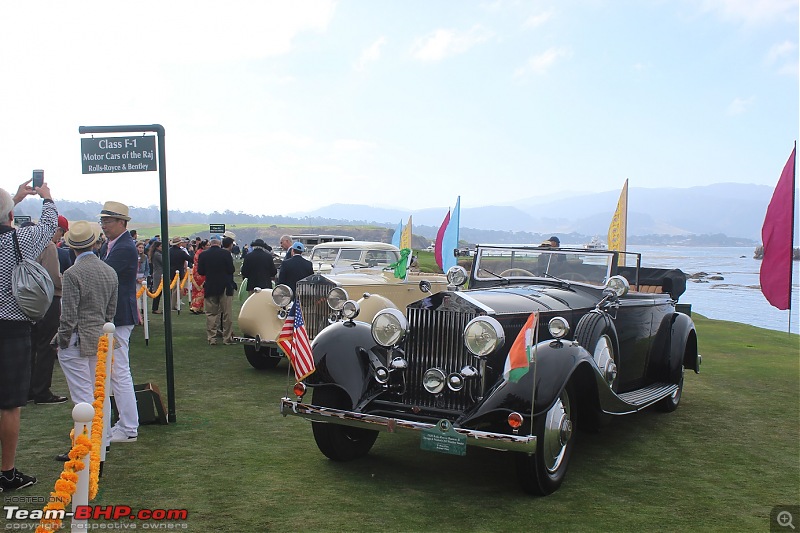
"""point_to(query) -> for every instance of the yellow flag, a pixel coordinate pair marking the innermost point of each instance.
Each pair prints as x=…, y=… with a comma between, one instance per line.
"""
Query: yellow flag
x=405, y=237
x=618, y=230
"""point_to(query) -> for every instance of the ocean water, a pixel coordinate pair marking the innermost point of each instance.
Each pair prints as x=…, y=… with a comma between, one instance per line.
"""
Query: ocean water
x=737, y=297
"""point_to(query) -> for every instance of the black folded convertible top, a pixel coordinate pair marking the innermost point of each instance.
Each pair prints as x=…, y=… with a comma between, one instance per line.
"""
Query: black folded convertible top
x=672, y=281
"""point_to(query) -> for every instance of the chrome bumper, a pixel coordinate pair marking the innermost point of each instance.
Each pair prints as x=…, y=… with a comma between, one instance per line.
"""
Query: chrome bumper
x=482, y=439
x=253, y=342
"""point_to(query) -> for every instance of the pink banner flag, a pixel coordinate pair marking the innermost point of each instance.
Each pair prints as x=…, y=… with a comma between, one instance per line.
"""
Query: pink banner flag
x=437, y=248
x=776, y=236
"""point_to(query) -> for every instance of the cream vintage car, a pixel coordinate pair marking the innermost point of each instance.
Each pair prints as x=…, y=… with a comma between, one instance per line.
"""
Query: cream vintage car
x=358, y=271
x=352, y=256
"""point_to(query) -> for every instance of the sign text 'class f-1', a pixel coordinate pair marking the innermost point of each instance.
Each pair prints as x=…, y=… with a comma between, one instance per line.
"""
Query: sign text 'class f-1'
x=118, y=154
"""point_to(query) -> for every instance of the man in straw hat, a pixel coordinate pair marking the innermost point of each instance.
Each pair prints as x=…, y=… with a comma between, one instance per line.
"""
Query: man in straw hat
x=89, y=300
x=119, y=252
x=15, y=332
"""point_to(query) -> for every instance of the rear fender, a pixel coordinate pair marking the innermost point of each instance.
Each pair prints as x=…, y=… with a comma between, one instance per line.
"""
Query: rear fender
x=683, y=346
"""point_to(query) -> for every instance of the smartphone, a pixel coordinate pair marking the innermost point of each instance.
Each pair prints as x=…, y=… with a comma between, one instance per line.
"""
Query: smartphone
x=38, y=178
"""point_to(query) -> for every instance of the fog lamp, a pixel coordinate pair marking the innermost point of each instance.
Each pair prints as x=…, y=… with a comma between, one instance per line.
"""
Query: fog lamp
x=559, y=327
x=455, y=382
x=381, y=374
x=350, y=309
x=433, y=380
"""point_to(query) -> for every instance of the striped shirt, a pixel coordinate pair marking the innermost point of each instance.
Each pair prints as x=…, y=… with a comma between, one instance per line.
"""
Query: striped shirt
x=32, y=241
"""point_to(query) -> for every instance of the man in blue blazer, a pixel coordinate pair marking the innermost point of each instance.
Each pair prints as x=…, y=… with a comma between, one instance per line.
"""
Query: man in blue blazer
x=119, y=252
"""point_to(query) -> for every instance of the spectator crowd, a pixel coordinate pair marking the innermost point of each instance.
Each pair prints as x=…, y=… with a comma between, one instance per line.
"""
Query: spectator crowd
x=98, y=271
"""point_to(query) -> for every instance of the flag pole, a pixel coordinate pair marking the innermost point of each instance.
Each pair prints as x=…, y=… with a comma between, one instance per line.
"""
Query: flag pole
x=791, y=235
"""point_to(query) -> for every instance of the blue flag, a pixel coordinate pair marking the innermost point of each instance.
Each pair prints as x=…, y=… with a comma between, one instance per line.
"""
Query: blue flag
x=450, y=238
x=397, y=233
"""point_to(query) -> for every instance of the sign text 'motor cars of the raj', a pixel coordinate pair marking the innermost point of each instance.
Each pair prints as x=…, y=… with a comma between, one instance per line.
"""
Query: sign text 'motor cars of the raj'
x=118, y=154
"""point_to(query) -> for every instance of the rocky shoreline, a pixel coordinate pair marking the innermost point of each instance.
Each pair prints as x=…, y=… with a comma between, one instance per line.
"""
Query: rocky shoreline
x=758, y=253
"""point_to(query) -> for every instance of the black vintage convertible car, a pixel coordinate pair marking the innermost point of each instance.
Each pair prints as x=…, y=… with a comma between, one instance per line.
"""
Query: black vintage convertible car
x=544, y=341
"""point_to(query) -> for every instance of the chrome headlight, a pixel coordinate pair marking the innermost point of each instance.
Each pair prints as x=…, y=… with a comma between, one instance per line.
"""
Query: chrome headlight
x=282, y=295
x=483, y=335
x=433, y=380
x=456, y=275
x=336, y=298
x=389, y=327
x=559, y=327
x=619, y=285
x=350, y=309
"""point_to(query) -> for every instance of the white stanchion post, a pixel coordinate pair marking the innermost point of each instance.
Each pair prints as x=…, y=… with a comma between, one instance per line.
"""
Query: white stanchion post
x=145, y=321
x=82, y=414
x=178, y=289
x=109, y=329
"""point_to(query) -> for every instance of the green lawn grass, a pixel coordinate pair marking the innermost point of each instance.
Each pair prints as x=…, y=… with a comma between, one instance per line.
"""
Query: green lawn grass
x=719, y=463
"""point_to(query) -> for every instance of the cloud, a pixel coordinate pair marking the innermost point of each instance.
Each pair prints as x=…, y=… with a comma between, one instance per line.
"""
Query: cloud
x=177, y=31
x=444, y=43
x=540, y=64
x=352, y=145
x=753, y=11
x=534, y=21
x=370, y=54
x=740, y=105
x=784, y=57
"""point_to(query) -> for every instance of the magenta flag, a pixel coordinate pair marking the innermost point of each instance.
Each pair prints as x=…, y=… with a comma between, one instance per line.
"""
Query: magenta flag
x=776, y=236
x=439, y=237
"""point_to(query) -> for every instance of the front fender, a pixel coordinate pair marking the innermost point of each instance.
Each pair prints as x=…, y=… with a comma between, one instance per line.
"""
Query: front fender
x=370, y=304
x=339, y=358
x=259, y=316
x=556, y=361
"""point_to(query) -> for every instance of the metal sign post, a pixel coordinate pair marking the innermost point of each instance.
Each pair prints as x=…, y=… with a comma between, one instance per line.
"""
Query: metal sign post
x=135, y=154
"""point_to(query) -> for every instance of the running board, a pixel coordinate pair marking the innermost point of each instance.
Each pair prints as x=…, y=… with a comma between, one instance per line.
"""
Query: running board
x=641, y=398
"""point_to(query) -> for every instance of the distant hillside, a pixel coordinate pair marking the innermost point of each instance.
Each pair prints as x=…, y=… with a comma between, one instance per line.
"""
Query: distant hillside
x=722, y=214
x=735, y=210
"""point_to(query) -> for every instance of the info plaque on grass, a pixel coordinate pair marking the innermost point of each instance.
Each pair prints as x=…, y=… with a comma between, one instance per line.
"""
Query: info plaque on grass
x=444, y=439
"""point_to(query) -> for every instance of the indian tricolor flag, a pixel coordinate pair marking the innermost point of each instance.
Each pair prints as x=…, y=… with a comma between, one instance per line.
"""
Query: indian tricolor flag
x=520, y=354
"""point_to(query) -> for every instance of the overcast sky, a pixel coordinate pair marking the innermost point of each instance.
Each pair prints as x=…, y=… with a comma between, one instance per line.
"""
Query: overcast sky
x=274, y=107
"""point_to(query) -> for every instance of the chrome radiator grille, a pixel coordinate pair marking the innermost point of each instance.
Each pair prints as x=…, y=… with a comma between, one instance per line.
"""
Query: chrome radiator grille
x=437, y=341
x=313, y=295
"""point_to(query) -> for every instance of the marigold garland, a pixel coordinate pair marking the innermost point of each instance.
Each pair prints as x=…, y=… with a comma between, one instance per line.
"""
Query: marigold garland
x=97, y=421
x=65, y=485
x=160, y=288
